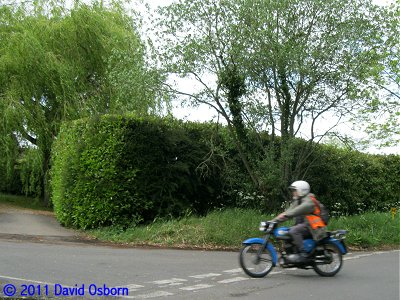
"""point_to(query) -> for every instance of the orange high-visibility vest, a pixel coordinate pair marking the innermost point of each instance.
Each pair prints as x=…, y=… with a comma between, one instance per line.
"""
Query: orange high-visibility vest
x=315, y=218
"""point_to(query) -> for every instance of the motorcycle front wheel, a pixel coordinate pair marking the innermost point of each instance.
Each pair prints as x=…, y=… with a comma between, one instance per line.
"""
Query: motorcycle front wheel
x=329, y=262
x=254, y=262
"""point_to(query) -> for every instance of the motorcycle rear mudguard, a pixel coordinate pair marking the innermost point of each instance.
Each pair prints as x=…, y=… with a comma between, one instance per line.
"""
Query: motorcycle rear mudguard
x=270, y=247
x=340, y=244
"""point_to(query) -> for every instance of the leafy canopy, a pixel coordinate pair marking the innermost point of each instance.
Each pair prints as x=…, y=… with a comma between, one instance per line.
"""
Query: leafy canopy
x=59, y=63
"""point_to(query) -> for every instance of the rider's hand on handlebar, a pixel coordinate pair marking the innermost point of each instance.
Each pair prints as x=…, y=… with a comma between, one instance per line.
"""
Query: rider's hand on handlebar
x=282, y=217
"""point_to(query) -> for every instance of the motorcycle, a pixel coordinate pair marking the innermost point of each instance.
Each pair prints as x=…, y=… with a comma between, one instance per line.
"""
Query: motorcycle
x=259, y=256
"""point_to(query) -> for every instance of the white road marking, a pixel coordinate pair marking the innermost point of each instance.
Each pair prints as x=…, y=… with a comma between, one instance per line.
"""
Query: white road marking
x=235, y=279
x=358, y=256
x=150, y=295
x=351, y=257
x=202, y=276
x=171, y=284
x=172, y=281
x=196, y=287
x=133, y=287
x=239, y=270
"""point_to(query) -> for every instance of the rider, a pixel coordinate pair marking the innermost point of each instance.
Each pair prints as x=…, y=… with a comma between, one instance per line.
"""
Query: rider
x=306, y=212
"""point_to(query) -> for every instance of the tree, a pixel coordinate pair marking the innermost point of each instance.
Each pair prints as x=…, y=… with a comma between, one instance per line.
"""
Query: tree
x=300, y=60
x=382, y=113
x=60, y=64
x=310, y=59
x=196, y=40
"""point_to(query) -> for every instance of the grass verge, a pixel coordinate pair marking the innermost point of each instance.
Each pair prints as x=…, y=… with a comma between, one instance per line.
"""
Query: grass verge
x=227, y=229
x=23, y=202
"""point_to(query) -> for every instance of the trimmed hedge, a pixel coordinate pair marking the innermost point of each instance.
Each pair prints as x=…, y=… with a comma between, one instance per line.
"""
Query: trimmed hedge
x=114, y=170
x=350, y=182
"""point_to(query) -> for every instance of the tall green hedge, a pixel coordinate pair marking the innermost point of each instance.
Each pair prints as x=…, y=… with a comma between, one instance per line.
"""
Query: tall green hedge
x=124, y=170
x=350, y=182
x=114, y=170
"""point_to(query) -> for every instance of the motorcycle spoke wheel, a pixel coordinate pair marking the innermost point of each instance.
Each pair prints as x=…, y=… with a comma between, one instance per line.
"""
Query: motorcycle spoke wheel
x=253, y=264
x=330, y=263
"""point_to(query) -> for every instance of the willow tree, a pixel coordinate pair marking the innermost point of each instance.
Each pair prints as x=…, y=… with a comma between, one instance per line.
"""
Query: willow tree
x=59, y=64
x=300, y=60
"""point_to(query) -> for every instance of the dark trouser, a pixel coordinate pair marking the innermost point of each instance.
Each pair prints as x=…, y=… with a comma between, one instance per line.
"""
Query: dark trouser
x=298, y=233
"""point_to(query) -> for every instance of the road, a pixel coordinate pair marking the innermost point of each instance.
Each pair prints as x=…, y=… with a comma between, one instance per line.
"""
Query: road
x=37, y=255
x=183, y=274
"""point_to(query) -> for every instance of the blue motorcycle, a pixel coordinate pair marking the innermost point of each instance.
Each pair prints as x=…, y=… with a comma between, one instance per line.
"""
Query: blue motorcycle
x=259, y=256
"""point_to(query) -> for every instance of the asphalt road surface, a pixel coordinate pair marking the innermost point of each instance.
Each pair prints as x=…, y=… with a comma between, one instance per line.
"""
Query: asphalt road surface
x=181, y=274
x=44, y=265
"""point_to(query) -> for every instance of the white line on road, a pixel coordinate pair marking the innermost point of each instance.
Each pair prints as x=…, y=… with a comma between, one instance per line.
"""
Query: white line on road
x=276, y=272
x=202, y=276
x=172, y=281
x=196, y=287
x=358, y=256
x=238, y=270
x=133, y=287
x=235, y=279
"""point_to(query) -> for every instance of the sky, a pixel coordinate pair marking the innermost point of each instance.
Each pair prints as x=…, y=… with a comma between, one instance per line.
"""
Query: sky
x=204, y=113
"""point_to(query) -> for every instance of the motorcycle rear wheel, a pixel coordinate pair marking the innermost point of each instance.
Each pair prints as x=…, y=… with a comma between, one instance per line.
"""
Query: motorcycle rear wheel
x=252, y=263
x=330, y=263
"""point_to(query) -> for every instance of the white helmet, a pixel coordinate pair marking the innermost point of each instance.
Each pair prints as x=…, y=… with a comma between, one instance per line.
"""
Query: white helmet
x=302, y=187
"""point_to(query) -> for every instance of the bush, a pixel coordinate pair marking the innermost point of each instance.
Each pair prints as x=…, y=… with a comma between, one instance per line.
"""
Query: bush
x=10, y=181
x=114, y=170
x=350, y=182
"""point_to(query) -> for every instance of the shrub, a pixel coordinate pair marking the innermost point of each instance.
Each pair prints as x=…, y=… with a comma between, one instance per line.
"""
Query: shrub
x=350, y=182
x=114, y=170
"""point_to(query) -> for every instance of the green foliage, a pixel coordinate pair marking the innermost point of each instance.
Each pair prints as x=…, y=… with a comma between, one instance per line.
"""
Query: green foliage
x=113, y=170
x=116, y=170
x=380, y=117
x=236, y=225
x=22, y=202
x=31, y=172
x=370, y=229
x=276, y=65
x=85, y=180
x=59, y=63
x=9, y=151
x=350, y=182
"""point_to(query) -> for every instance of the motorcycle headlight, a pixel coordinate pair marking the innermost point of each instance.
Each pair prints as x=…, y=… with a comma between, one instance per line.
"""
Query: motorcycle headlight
x=263, y=226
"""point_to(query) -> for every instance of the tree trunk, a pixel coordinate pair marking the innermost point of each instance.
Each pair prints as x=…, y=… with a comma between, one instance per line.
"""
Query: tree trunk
x=45, y=179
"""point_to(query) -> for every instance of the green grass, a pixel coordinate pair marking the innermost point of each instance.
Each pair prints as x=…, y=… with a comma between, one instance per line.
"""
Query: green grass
x=227, y=229
x=23, y=202
x=370, y=229
x=223, y=229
